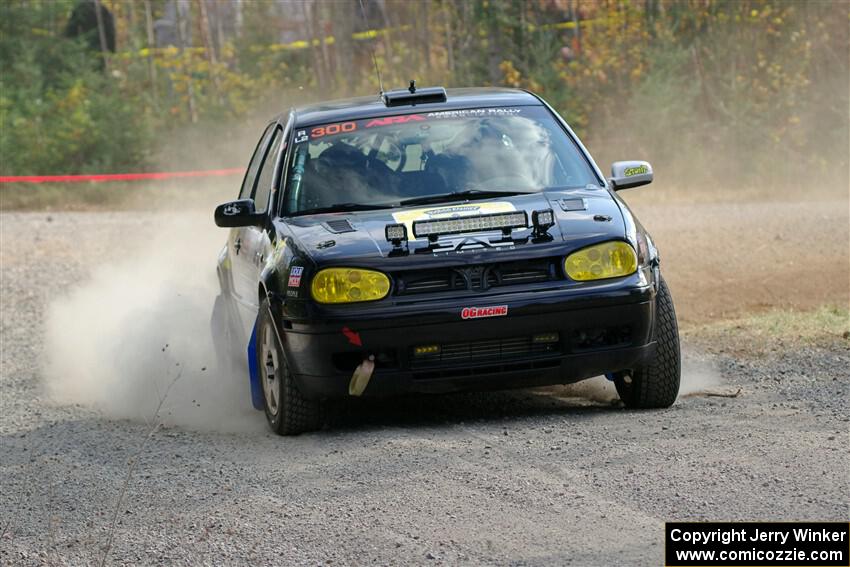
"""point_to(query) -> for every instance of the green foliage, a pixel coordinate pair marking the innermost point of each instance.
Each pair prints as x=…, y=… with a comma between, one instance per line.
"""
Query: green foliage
x=58, y=112
x=759, y=86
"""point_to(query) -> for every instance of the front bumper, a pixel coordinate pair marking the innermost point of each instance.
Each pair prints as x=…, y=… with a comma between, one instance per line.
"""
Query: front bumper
x=600, y=329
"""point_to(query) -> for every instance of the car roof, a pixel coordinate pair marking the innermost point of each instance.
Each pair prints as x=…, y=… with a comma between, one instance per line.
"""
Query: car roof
x=373, y=106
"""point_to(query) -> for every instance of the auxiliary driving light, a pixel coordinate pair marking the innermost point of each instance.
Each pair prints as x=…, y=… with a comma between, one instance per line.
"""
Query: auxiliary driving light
x=544, y=338
x=542, y=221
x=396, y=233
x=426, y=350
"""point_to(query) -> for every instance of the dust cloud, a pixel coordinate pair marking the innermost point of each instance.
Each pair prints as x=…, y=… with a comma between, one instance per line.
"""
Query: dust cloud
x=138, y=329
x=699, y=375
x=137, y=332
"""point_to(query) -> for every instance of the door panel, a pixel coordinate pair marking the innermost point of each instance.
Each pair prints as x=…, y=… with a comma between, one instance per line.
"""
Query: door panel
x=244, y=283
x=253, y=241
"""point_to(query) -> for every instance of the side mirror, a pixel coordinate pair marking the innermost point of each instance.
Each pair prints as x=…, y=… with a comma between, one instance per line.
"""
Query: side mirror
x=626, y=174
x=238, y=213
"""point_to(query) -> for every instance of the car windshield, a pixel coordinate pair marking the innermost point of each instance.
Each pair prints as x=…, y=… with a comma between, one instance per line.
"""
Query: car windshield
x=393, y=160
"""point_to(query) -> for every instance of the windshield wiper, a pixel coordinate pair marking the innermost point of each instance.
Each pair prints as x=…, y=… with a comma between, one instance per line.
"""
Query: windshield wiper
x=458, y=195
x=343, y=207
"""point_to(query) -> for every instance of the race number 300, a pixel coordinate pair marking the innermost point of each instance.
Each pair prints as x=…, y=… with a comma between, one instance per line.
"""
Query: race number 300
x=331, y=129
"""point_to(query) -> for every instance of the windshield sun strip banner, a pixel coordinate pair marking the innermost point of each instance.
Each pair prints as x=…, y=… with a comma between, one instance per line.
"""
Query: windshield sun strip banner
x=320, y=131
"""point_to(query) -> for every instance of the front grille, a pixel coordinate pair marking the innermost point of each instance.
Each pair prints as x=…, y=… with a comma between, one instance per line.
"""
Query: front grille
x=476, y=278
x=494, y=350
x=428, y=282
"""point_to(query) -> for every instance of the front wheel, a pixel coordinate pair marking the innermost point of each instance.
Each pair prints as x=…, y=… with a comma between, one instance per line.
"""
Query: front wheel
x=656, y=384
x=287, y=410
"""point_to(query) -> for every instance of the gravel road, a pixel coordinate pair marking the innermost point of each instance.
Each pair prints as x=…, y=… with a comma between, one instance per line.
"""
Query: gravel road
x=516, y=478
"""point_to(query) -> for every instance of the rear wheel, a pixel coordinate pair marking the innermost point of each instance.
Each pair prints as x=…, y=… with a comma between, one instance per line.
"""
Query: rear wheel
x=656, y=384
x=287, y=410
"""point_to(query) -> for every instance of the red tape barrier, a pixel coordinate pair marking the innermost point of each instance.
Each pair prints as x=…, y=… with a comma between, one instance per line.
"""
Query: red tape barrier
x=118, y=176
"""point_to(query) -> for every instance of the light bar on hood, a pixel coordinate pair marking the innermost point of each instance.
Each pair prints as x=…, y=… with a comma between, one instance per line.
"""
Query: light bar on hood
x=498, y=221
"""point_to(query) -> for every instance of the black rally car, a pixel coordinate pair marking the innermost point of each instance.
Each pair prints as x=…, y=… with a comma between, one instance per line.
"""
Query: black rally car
x=434, y=241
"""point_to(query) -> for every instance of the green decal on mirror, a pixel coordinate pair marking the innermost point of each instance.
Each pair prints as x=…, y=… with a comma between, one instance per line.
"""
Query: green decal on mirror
x=629, y=171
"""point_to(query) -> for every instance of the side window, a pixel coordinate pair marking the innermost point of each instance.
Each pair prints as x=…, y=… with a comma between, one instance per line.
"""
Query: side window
x=264, y=185
x=254, y=166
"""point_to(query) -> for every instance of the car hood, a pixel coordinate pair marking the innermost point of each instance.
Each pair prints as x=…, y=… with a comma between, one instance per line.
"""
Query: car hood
x=581, y=216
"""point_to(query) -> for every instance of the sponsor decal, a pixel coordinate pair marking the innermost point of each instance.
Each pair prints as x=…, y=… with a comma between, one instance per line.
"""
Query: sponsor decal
x=231, y=210
x=395, y=120
x=482, y=312
x=456, y=211
x=629, y=171
x=301, y=136
x=295, y=276
x=475, y=112
x=432, y=213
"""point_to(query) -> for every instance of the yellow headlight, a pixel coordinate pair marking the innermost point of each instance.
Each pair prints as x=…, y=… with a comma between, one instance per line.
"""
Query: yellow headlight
x=600, y=261
x=347, y=285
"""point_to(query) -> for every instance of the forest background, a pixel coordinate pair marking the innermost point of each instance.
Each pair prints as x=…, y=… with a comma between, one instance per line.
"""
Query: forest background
x=732, y=95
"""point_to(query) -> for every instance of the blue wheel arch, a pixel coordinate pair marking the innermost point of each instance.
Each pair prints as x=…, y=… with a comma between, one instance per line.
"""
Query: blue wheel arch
x=254, y=370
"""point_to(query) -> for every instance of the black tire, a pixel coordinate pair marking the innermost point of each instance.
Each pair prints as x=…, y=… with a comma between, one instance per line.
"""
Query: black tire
x=287, y=410
x=656, y=385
